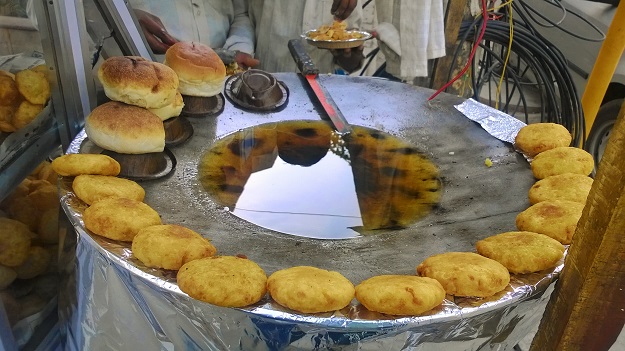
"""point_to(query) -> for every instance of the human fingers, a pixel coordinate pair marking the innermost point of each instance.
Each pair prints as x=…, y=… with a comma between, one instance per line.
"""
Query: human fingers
x=246, y=60
x=157, y=46
x=341, y=9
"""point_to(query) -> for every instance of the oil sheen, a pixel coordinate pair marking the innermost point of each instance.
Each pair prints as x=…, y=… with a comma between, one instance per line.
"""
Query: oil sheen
x=302, y=178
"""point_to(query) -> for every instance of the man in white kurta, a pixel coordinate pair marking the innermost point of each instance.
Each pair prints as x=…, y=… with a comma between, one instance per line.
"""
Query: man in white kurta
x=278, y=21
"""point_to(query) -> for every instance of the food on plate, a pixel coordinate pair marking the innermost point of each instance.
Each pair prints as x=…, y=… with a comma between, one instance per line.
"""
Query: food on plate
x=71, y=165
x=562, y=160
x=555, y=218
x=172, y=110
x=7, y=276
x=310, y=289
x=336, y=31
x=9, y=95
x=233, y=68
x=170, y=246
x=538, y=137
x=35, y=264
x=26, y=112
x=125, y=129
x=33, y=86
x=226, y=281
x=466, y=273
x=137, y=81
x=15, y=238
x=522, y=252
x=118, y=218
x=91, y=188
x=400, y=295
x=565, y=186
x=199, y=68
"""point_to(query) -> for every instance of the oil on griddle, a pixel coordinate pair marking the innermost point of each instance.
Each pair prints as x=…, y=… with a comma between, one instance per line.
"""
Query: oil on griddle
x=302, y=178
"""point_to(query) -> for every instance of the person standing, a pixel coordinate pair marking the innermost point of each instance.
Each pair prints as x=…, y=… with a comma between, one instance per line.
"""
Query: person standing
x=277, y=21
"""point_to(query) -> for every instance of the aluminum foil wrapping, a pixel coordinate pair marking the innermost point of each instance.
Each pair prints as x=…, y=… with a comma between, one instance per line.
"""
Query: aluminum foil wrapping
x=498, y=124
x=113, y=302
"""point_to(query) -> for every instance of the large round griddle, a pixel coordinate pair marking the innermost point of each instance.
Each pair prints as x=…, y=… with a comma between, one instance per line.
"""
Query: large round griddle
x=477, y=201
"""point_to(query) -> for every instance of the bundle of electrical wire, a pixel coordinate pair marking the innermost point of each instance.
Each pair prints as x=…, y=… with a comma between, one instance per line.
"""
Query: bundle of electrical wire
x=540, y=67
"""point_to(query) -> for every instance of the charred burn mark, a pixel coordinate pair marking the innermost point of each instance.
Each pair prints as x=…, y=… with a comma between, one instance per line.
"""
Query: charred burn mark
x=306, y=132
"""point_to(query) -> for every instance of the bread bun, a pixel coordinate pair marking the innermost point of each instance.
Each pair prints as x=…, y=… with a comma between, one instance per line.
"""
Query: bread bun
x=172, y=110
x=126, y=129
x=137, y=81
x=199, y=68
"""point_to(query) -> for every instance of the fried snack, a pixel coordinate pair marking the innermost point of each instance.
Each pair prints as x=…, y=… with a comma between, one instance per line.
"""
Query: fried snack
x=335, y=31
x=522, y=252
x=91, y=188
x=566, y=186
x=6, y=118
x=14, y=242
x=7, y=74
x=36, y=263
x=465, y=273
x=33, y=86
x=226, y=281
x=170, y=246
x=9, y=95
x=25, y=113
x=119, y=218
x=48, y=228
x=562, y=160
x=43, y=69
x=400, y=295
x=48, y=173
x=310, y=290
x=538, y=137
x=7, y=276
x=556, y=219
x=24, y=210
x=71, y=165
x=45, y=197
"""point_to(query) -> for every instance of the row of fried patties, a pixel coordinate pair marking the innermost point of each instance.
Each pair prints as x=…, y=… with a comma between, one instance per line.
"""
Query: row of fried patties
x=146, y=93
x=116, y=211
x=22, y=97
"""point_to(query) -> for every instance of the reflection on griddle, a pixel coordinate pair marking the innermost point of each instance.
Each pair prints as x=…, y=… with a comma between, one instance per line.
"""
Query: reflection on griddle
x=302, y=178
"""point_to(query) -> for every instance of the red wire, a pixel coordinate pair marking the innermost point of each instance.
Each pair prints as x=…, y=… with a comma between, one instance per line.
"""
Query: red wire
x=473, y=50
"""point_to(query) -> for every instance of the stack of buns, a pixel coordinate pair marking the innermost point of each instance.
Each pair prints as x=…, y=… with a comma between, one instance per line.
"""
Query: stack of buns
x=199, y=68
x=144, y=94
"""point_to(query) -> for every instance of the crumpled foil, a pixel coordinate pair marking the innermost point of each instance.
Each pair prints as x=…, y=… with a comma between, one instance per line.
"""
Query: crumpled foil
x=112, y=302
x=498, y=124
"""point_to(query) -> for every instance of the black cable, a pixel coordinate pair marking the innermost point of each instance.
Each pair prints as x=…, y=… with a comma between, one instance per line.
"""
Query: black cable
x=557, y=95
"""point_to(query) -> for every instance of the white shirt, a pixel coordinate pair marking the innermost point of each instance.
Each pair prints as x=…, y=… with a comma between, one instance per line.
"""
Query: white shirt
x=216, y=23
x=278, y=21
x=410, y=32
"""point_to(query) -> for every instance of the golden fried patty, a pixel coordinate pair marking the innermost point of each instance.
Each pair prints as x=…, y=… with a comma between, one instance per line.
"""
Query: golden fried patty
x=71, y=165
x=465, y=273
x=310, y=290
x=118, y=218
x=15, y=238
x=91, y=188
x=566, y=186
x=169, y=246
x=556, y=219
x=522, y=252
x=401, y=295
x=562, y=160
x=226, y=281
x=538, y=137
x=34, y=86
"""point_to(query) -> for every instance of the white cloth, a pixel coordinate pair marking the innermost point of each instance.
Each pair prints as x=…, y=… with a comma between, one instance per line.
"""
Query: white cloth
x=216, y=23
x=278, y=21
x=410, y=32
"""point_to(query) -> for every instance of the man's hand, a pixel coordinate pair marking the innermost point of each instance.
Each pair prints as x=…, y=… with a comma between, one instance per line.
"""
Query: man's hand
x=349, y=59
x=155, y=33
x=341, y=9
x=245, y=60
